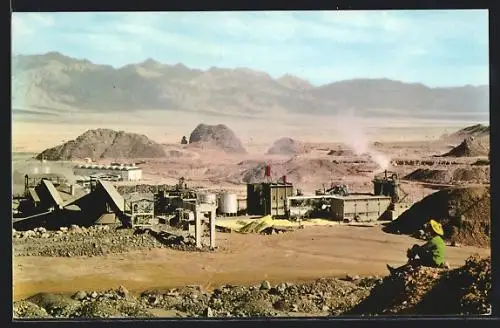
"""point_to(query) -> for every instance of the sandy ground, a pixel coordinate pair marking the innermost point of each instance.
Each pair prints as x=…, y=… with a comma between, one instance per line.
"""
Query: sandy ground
x=297, y=256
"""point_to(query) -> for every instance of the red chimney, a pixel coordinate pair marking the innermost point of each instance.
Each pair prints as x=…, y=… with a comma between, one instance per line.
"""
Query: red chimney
x=268, y=171
x=284, y=179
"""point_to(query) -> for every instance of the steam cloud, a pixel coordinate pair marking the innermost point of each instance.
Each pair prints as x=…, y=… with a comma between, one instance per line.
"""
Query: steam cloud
x=351, y=131
x=22, y=166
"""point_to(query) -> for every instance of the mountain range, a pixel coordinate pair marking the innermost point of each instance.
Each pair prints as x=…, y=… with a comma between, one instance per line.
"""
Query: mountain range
x=53, y=83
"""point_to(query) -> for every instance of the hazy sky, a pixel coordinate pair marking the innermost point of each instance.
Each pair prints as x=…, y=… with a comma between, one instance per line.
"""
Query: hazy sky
x=437, y=48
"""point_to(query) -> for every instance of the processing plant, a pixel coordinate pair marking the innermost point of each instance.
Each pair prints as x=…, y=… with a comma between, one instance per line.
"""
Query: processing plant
x=336, y=203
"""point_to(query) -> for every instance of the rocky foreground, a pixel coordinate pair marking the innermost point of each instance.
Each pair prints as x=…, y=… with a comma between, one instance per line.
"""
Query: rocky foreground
x=96, y=241
x=465, y=290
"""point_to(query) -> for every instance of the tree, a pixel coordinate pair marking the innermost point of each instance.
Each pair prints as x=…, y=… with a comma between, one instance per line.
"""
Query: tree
x=184, y=140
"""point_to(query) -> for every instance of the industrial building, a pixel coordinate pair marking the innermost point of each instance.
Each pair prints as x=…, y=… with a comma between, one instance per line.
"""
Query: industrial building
x=140, y=208
x=359, y=207
x=268, y=198
x=124, y=172
x=47, y=206
x=338, y=204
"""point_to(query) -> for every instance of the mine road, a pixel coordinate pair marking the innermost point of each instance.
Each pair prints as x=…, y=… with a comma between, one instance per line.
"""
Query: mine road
x=297, y=256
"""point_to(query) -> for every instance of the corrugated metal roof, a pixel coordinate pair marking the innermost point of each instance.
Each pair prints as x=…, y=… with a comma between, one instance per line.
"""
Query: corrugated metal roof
x=54, y=194
x=113, y=194
x=34, y=195
x=107, y=167
x=73, y=207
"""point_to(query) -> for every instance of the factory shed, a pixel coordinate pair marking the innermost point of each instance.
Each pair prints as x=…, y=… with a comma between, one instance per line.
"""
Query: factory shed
x=125, y=172
x=268, y=198
x=103, y=205
x=359, y=207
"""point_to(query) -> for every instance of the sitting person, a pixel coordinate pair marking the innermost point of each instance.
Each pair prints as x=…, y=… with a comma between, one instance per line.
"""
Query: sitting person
x=431, y=254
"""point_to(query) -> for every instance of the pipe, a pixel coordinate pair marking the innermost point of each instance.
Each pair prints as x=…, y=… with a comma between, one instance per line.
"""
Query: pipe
x=32, y=216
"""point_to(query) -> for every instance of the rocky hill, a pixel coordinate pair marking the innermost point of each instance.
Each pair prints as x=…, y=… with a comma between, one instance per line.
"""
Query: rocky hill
x=471, y=147
x=55, y=83
x=105, y=143
x=218, y=136
x=477, y=130
x=286, y=146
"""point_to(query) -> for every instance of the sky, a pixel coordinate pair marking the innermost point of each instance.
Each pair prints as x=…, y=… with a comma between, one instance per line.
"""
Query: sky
x=436, y=48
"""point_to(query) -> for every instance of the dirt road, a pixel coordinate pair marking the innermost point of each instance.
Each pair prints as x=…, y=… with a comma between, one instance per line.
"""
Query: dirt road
x=244, y=259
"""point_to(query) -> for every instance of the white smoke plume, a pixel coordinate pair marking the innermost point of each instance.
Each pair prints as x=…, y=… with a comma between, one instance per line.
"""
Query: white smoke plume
x=351, y=130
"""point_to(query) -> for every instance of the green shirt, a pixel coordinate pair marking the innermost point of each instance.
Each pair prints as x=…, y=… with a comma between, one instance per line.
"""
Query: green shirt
x=435, y=249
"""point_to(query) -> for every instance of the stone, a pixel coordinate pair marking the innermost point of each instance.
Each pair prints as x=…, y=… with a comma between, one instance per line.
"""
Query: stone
x=94, y=295
x=209, y=312
x=153, y=299
x=265, y=285
x=123, y=292
x=63, y=229
x=45, y=235
x=29, y=233
x=352, y=278
x=80, y=295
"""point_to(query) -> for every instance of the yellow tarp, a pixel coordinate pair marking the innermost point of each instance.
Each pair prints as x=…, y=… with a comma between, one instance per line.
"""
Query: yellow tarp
x=258, y=225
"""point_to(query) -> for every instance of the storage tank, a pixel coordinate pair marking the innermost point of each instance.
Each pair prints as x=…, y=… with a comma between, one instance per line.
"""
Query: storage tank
x=207, y=198
x=228, y=203
x=46, y=170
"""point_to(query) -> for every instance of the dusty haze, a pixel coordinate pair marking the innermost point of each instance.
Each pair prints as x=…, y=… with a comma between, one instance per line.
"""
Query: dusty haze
x=257, y=135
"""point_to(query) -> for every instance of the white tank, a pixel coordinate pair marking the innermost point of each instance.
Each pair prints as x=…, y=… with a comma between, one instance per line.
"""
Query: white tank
x=206, y=198
x=35, y=170
x=228, y=203
x=46, y=170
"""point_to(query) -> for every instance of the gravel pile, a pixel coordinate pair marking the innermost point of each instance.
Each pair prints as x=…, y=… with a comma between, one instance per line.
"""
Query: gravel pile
x=457, y=175
x=109, y=304
x=95, y=241
x=431, y=291
x=421, y=290
x=321, y=297
x=463, y=211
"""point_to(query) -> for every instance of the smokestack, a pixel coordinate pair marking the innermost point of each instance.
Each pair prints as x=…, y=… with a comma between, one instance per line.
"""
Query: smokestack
x=267, y=173
x=72, y=189
x=284, y=179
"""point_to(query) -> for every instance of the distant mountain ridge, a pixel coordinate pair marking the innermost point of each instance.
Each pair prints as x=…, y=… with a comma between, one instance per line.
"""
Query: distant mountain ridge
x=61, y=83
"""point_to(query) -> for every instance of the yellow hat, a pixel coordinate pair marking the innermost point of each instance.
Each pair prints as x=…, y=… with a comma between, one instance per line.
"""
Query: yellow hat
x=437, y=227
